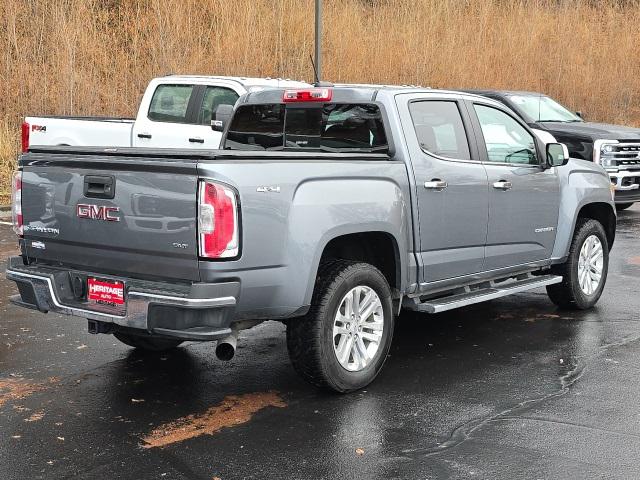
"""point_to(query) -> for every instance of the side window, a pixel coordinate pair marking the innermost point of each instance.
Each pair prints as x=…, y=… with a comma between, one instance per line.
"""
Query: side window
x=214, y=97
x=169, y=103
x=507, y=141
x=439, y=128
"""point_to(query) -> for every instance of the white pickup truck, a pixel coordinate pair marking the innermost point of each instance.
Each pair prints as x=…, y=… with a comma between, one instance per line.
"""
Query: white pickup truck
x=176, y=111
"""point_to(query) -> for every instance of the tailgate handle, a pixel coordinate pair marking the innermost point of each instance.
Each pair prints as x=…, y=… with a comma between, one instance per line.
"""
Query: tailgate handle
x=99, y=186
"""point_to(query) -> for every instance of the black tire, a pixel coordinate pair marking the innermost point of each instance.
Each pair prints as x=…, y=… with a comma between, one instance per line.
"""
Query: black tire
x=147, y=343
x=623, y=206
x=568, y=293
x=310, y=340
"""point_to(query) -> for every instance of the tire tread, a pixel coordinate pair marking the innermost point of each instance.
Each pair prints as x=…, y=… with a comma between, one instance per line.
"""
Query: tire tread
x=565, y=294
x=305, y=335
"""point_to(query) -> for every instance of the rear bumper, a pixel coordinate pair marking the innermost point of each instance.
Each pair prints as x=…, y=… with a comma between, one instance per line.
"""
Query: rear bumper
x=627, y=185
x=198, y=311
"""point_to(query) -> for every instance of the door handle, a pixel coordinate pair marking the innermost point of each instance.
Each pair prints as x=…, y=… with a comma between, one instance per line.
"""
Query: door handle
x=436, y=184
x=144, y=135
x=502, y=185
x=196, y=140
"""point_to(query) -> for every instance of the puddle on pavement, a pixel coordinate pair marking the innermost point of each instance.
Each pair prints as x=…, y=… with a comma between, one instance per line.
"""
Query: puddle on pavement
x=529, y=315
x=233, y=410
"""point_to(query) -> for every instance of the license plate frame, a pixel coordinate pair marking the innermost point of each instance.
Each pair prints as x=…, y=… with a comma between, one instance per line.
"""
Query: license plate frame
x=106, y=292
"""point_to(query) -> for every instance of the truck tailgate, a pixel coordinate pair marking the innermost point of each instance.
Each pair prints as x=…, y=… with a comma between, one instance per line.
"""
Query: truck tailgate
x=121, y=215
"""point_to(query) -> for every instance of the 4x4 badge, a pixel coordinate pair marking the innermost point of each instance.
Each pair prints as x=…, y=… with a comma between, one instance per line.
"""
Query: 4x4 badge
x=268, y=188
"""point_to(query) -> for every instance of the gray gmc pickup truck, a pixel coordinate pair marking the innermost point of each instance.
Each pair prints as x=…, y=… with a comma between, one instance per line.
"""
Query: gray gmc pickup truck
x=330, y=209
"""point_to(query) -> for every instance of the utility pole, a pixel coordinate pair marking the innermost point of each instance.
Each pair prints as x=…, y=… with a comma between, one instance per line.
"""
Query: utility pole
x=318, y=40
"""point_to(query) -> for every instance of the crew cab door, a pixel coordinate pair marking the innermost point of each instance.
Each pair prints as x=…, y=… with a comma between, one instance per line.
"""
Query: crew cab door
x=208, y=98
x=450, y=186
x=523, y=195
x=178, y=115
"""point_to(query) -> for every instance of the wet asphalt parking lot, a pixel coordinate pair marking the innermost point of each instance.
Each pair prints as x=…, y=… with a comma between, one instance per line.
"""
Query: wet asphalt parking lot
x=512, y=389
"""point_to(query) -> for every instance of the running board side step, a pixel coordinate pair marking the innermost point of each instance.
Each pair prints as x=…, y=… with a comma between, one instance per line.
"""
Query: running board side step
x=480, y=293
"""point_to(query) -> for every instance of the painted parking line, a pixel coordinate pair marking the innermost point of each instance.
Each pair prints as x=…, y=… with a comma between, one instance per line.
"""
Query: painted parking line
x=5, y=223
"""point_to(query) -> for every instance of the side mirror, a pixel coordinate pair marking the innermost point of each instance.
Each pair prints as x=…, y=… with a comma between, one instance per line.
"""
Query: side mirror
x=557, y=154
x=223, y=115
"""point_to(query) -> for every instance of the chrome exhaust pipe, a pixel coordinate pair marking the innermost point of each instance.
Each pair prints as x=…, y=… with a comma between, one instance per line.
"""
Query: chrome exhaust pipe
x=226, y=348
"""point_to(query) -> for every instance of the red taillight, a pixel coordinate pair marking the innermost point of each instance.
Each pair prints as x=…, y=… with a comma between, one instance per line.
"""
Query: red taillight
x=217, y=221
x=308, y=95
x=25, y=136
x=16, y=203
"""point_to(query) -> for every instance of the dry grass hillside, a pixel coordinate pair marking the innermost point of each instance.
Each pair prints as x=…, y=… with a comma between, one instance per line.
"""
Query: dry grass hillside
x=96, y=56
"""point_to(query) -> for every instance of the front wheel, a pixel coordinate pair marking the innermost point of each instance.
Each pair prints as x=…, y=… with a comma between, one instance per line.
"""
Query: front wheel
x=623, y=206
x=343, y=341
x=585, y=271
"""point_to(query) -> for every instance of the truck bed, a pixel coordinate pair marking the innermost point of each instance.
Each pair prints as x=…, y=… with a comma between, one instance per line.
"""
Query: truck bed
x=98, y=131
x=88, y=118
x=156, y=197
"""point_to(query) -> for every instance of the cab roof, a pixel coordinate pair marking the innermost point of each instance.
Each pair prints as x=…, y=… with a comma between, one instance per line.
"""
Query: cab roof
x=247, y=82
x=350, y=93
x=520, y=93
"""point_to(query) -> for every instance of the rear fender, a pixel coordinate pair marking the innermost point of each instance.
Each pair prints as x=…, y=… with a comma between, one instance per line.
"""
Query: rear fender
x=323, y=210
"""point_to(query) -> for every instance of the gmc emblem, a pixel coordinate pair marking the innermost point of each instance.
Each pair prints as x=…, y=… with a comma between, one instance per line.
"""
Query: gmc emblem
x=96, y=212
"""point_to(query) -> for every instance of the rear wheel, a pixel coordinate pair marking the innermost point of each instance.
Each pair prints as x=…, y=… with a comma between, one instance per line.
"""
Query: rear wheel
x=343, y=341
x=623, y=206
x=585, y=271
x=147, y=343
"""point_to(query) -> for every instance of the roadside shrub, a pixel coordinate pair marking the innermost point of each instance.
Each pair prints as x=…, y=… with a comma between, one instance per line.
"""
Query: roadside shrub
x=8, y=150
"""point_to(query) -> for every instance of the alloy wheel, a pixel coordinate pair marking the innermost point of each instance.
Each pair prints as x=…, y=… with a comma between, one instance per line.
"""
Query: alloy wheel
x=590, y=265
x=358, y=328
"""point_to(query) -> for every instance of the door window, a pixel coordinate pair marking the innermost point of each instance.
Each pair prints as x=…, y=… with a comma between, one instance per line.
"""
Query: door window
x=439, y=128
x=169, y=103
x=507, y=141
x=213, y=98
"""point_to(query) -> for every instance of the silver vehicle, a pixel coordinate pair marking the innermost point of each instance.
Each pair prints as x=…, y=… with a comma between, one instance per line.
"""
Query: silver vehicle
x=330, y=209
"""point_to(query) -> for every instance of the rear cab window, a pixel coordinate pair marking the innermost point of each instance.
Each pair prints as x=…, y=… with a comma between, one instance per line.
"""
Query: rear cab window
x=324, y=126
